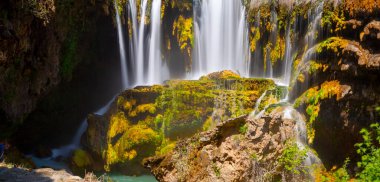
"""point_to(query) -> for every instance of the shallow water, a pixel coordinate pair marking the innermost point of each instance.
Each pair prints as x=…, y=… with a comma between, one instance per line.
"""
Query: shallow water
x=123, y=178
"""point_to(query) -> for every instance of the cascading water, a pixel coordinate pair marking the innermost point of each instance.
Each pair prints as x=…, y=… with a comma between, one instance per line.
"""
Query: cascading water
x=221, y=37
x=154, y=76
x=140, y=46
x=148, y=67
x=123, y=60
x=66, y=151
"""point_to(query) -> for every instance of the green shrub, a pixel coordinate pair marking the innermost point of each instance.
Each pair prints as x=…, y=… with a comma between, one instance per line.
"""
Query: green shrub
x=370, y=154
x=292, y=157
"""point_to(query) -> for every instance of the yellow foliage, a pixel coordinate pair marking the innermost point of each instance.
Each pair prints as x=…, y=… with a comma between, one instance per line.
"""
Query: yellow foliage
x=355, y=6
x=333, y=44
x=301, y=78
x=209, y=123
x=130, y=155
x=182, y=5
x=118, y=124
x=166, y=147
x=312, y=98
x=124, y=149
x=255, y=31
x=315, y=66
x=129, y=104
x=81, y=158
x=278, y=52
x=151, y=108
x=183, y=30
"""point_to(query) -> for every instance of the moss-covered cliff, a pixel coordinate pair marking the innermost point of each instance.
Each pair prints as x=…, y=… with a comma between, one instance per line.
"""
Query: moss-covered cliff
x=147, y=121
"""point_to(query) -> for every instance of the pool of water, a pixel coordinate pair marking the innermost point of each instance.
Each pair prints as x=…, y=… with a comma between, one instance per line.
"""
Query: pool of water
x=123, y=178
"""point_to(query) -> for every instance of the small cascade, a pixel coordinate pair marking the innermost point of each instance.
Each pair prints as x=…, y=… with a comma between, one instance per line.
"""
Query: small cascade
x=221, y=37
x=67, y=150
x=301, y=135
x=288, y=57
x=314, y=19
x=123, y=59
x=257, y=104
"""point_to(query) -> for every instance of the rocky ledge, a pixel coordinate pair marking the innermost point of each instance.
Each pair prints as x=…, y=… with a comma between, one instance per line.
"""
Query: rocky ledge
x=148, y=120
x=260, y=148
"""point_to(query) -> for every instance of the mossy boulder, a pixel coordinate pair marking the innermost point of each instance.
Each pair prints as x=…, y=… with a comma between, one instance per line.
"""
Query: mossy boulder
x=81, y=161
x=147, y=121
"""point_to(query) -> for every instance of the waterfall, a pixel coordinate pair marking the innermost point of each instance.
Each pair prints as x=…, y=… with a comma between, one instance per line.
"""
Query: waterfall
x=154, y=75
x=133, y=43
x=140, y=46
x=123, y=60
x=145, y=45
x=288, y=58
x=221, y=37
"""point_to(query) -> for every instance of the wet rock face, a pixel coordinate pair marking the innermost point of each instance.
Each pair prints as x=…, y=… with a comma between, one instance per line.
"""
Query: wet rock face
x=229, y=152
x=350, y=57
x=39, y=47
x=145, y=121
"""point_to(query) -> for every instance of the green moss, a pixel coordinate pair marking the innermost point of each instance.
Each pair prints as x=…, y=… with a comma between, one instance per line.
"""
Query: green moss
x=333, y=44
x=149, y=120
x=312, y=98
x=81, y=158
x=68, y=59
x=292, y=157
x=243, y=129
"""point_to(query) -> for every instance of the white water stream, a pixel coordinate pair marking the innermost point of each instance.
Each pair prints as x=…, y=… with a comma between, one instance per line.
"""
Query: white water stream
x=221, y=37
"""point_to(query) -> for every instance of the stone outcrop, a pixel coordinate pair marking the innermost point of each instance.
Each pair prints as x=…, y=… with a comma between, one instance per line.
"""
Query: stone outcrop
x=145, y=121
x=240, y=149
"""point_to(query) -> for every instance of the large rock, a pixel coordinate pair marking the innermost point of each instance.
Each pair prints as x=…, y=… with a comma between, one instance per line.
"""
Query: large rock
x=240, y=149
x=145, y=121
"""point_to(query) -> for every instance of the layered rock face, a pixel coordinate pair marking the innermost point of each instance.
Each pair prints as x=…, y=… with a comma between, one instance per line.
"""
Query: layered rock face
x=240, y=149
x=145, y=121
